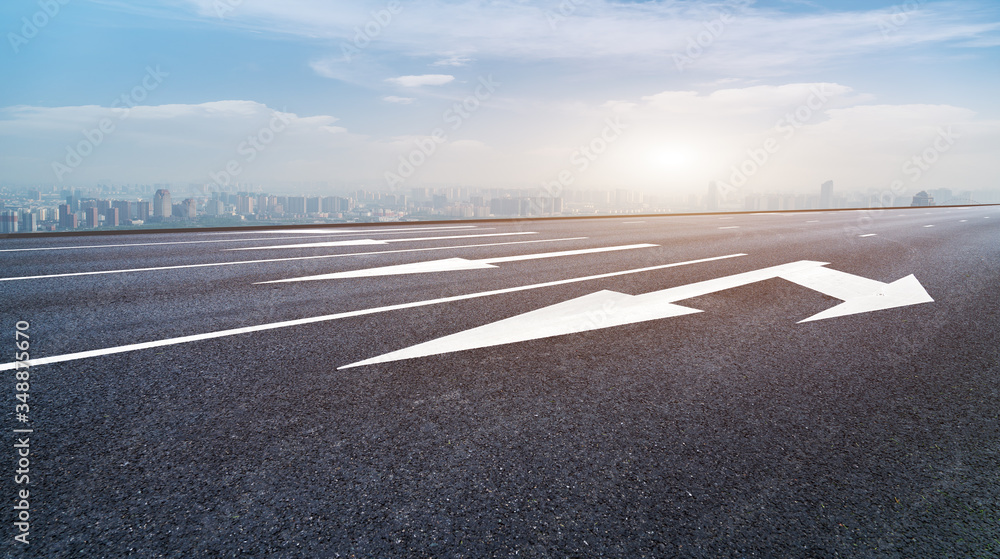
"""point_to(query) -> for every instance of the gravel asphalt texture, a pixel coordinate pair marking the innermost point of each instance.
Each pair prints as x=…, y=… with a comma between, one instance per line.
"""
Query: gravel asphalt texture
x=731, y=433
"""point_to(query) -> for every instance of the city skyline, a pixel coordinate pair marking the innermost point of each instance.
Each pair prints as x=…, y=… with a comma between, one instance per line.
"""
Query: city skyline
x=143, y=206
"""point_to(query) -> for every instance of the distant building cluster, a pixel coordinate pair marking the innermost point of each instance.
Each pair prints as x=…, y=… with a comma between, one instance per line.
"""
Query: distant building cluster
x=163, y=205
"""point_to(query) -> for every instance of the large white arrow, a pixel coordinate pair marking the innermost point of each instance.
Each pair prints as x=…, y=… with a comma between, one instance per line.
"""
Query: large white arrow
x=605, y=309
x=452, y=264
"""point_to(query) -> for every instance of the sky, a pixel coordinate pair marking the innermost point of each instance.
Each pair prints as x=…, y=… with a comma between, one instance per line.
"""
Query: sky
x=661, y=96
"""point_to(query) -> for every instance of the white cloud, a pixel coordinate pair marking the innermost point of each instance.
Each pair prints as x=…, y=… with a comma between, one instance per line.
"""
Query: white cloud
x=399, y=100
x=751, y=41
x=454, y=60
x=418, y=81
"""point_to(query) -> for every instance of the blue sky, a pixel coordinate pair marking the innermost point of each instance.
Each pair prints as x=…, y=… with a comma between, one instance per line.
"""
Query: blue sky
x=695, y=86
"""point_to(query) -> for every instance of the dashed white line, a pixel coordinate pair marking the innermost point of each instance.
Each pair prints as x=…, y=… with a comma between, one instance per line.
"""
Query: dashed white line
x=361, y=242
x=730, y=227
x=869, y=235
x=928, y=226
x=287, y=259
x=382, y=232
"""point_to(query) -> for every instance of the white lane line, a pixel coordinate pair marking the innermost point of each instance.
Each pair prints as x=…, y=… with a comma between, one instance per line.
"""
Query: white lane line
x=383, y=232
x=286, y=259
x=337, y=316
x=452, y=264
x=325, y=230
x=962, y=220
x=869, y=235
x=928, y=226
x=813, y=221
x=361, y=242
x=730, y=227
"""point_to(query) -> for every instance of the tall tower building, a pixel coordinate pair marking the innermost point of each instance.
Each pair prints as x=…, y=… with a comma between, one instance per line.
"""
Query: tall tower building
x=124, y=209
x=8, y=221
x=65, y=213
x=162, y=207
x=189, y=208
x=92, y=217
x=826, y=195
x=29, y=222
x=142, y=210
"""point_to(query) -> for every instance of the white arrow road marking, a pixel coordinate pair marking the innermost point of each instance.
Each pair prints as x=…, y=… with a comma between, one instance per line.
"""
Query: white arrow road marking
x=859, y=296
x=606, y=309
x=569, y=317
x=451, y=264
x=286, y=259
x=338, y=316
x=359, y=242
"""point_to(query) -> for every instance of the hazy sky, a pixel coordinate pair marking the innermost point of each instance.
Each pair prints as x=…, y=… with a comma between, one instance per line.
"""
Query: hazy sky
x=663, y=96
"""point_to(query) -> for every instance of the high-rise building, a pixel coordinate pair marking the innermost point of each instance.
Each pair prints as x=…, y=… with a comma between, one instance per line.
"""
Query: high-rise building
x=245, y=205
x=28, y=222
x=124, y=208
x=296, y=205
x=142, y=210
x=8, y=221
x=162, y=207
x=505, y=206
x=215, y=207
x=826, y=195
x=93, y=217
x=922, y=199
x=67, y=219
x=189, y=208
x=111, y=217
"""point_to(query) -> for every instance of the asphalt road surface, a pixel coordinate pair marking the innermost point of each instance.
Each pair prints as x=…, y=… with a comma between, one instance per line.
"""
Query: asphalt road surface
x=187, y=409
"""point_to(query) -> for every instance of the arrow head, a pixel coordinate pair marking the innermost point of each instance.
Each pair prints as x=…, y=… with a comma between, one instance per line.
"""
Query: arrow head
x=900, y=293
x=603, y=309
